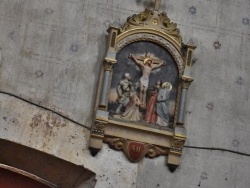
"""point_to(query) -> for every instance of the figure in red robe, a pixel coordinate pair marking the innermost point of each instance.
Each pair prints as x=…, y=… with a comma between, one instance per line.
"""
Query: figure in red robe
x=151, y=115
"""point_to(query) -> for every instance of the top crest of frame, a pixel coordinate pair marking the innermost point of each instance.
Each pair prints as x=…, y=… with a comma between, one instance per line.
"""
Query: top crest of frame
x=155, y=21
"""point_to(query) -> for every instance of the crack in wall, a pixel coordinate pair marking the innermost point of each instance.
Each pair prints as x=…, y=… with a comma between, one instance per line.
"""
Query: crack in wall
x=218, y=149
x=73, y=121
x=43, y=107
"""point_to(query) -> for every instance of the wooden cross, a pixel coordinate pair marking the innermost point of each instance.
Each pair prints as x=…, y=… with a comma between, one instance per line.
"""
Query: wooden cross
x=142, y=58
x=157, y=4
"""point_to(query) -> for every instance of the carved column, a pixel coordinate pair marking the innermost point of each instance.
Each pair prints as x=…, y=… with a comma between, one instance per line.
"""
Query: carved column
x=110, y=60
x=97, y=131
x=106, y=77
x=185, y=81
x=178, y=141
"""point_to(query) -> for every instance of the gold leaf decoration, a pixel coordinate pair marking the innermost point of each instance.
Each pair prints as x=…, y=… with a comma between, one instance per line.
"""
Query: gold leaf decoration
x=150, y=19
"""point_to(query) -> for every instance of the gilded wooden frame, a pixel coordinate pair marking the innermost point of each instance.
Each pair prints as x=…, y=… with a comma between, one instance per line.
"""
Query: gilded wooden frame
x=134, y=140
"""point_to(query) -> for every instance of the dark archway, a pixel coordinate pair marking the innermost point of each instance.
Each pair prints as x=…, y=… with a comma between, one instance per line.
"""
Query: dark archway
x=49, y=170
x=11, y=179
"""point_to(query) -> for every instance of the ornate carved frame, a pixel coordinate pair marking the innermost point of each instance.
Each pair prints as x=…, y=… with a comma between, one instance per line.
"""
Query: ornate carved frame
x=141, y=141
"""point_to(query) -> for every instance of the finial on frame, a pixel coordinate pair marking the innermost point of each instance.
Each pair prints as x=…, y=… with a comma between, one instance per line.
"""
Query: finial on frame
x=157, y=5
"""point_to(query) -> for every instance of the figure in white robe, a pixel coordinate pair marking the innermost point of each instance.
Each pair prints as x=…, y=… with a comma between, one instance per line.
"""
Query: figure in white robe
x=132, y=110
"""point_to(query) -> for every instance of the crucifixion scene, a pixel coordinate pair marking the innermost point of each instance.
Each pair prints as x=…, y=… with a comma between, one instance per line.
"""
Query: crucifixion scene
x=146, y=64
x=144, y=86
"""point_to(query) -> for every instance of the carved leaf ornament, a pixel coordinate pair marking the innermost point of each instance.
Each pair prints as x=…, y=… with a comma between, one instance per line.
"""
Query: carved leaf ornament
x=152, y=19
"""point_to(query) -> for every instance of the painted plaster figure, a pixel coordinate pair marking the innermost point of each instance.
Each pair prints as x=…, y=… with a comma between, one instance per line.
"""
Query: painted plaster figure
x=132, y=110
x=124, y=90
x=162, y=104
x=151, y=115
x=147, y=64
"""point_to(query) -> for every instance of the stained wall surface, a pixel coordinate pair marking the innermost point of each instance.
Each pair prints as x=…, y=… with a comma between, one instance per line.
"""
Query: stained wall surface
x=51, y=52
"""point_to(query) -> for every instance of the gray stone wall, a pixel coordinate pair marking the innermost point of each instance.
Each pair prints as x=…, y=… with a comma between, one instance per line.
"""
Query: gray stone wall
x=51, y=55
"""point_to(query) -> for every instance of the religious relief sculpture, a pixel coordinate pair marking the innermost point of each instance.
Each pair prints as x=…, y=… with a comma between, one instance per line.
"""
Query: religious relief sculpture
x=147, y=65
x=128, y=100
x=142, y=93
x=136, y=101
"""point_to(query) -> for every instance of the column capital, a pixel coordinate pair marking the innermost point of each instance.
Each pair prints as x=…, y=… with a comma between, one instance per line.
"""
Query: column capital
x=186, y=81
x=108, y=64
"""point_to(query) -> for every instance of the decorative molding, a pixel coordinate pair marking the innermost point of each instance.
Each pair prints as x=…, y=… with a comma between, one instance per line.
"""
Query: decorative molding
x=135, y=151
x=98, y=128
x=156, y=39
x=185, y=82
x=177, y=146
x=107, y=66
x=150, y=19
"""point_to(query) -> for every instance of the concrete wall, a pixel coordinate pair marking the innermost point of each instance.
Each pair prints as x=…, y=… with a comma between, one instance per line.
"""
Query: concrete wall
x=51, y=54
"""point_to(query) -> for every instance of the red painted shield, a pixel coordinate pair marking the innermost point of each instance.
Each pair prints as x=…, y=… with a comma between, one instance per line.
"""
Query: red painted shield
x=136, y=151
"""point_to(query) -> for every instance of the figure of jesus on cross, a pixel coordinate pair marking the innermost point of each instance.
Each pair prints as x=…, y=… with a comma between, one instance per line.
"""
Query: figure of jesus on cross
x=147, y=64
